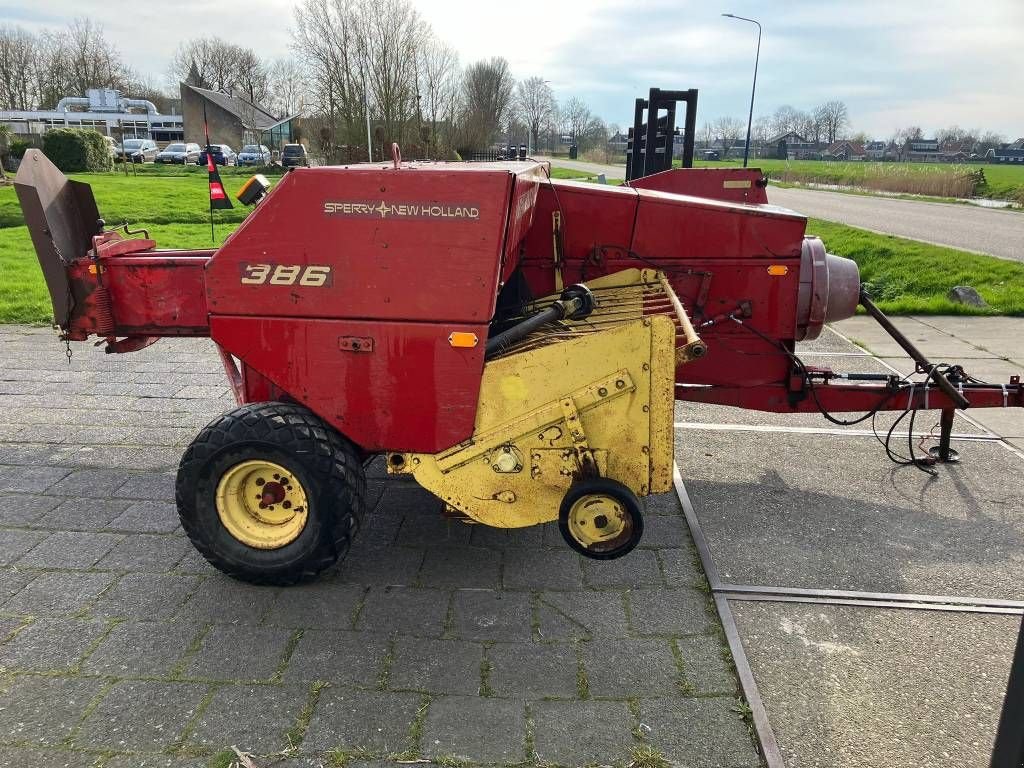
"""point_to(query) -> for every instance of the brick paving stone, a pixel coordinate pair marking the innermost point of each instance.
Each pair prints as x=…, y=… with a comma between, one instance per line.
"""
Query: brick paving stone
x=405, y=610
x=69, y=549
x=337, y=657
x=320, y=605
x=637, y=569
x=530, y=537
x=255, y=719
x=570, y=615
x=471, y=728
x=193, y=562
x=140, y=715
x=147, y=516
x=147, y=485
x=541, y=569
x=42, y=711
x=492, y=615
x=622, y=668
x=682, y=568
x=90, y=483
x=373, y=720
x=533, y=670
x=226, y=601
x=25, y=508
x=14, y=544
x=436, y=666
x=392, y=566
x=460, y=567
x=82, y=514
x=12, y=580
x=705, y=669
x=239, y=652
x=141, y=649
x=582, y=732
x=147, y=596
x=29, y=479
x=50, y=645
x=7, y=627
x=680, y=611
x=145, y=553
x=32, y=758
x=426, y=527
x=703, y=733
x=665, y=531
x=662, y=504
x=58, y=594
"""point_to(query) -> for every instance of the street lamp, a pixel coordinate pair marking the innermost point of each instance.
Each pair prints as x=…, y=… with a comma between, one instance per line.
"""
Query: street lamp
x=757, y=56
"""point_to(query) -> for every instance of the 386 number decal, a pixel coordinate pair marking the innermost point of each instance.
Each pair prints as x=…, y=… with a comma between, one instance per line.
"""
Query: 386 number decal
x=313, y=276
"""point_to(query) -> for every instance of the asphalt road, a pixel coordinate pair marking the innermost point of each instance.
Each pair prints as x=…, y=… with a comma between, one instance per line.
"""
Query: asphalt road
x=985, y=230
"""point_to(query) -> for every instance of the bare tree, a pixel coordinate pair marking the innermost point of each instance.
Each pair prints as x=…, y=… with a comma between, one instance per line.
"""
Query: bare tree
x=93, y=61
x=487, y=96
x=575, y=117
x=285, y=82
x=219, y=66
x=253, y=76
x=729, y=130
x=439, y=92
x=17, y=57
x=832, y=117
x=535, y=103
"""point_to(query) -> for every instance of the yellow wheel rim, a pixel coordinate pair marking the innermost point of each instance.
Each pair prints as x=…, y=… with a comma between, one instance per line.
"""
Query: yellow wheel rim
x=262, y=504
x=597, y=519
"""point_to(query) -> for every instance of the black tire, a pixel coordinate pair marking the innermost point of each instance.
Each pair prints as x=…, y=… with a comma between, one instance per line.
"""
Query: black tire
x=633, y=517
x=326, y=465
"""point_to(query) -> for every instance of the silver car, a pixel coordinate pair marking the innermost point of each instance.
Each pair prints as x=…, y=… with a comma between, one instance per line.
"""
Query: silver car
x=137, y=151
x=179, y=153
x=254, y=154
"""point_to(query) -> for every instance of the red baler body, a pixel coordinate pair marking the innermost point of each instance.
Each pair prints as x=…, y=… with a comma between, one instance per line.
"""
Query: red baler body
x=344, y=287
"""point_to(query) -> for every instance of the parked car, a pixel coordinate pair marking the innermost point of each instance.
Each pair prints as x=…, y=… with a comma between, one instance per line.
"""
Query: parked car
x=179, y=153
x=293, y=155
x=137, y=151
x=254, y=154
x=222, y=155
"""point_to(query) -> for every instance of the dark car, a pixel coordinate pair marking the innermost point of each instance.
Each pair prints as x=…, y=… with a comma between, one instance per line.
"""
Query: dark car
x=137, y=151
x=254, y=154
x=179, y=153
x=293, y=155
x=222, y=155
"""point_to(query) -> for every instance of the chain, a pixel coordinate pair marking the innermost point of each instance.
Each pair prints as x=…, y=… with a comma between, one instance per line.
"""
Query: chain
x=67, y=321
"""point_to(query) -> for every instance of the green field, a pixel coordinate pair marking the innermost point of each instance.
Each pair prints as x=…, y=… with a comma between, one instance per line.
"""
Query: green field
x=906, y=276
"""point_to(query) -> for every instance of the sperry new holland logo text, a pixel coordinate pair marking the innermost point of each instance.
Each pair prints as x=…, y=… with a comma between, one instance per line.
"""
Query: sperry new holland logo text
x=384, y=209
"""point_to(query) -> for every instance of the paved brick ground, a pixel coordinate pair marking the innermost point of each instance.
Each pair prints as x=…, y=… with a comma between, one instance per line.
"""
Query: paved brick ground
x=120, y=647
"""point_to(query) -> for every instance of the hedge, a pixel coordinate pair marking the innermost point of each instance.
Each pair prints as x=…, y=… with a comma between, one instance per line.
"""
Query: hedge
x=74, y=150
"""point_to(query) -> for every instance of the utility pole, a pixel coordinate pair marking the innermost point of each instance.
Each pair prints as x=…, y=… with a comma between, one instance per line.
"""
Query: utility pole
x=757, y=57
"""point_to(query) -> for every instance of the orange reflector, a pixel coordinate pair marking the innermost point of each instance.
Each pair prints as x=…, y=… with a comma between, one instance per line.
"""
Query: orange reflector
x=778, y=269
x=462, y=339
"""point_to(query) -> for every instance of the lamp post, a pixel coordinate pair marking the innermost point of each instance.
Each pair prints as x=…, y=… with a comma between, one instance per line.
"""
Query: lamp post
x=753, y=89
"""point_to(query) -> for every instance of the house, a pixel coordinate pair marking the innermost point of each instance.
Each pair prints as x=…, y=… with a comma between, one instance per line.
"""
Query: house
x=232, y=120
x=1008, y=153
x=920, y=151
x=844, y=150
x=792, y=146
x=875, y=150
x=618, y=142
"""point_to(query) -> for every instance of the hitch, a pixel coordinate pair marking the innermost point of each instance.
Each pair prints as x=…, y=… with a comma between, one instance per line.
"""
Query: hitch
x=942, y=452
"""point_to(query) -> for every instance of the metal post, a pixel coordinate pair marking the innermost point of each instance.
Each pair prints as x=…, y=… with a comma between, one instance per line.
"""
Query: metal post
x=1009, y=747
x=753, y=89
x=366, y=106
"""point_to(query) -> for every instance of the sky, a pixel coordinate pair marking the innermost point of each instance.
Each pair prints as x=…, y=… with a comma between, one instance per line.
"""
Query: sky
x=895, y=63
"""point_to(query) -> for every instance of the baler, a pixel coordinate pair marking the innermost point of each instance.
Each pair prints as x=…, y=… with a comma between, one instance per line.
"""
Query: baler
x=514, y=343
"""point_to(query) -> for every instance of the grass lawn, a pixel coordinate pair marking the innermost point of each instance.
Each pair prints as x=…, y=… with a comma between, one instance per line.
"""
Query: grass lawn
x=906, y=276
x=573, y=174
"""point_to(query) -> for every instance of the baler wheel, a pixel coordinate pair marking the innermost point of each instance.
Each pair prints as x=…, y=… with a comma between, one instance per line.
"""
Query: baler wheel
x=270, y=494
x=601, y=518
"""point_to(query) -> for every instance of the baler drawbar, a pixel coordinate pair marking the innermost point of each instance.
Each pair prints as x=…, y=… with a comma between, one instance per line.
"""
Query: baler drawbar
x=513, y=342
